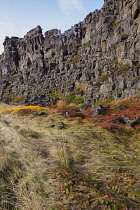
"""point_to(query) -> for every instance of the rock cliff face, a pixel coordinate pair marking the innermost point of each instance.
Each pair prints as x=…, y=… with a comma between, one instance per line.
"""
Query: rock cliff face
x=102, y=53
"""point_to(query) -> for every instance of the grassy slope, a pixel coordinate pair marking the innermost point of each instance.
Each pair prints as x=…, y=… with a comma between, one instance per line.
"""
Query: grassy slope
x=80, y=167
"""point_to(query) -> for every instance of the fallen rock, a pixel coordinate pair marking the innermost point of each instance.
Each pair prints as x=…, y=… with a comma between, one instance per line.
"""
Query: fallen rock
x=98, y=110
x=119, y=120
x=52, y=126
x=62, y=125
x=129, y=121
x=39, y=113
x=125, y=119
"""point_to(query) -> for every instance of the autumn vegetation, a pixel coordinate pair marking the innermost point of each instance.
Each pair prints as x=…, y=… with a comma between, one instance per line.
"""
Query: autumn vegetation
x=63, y=157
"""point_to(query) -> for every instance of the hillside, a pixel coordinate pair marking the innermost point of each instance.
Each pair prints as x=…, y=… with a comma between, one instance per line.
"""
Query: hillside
x=60, y=158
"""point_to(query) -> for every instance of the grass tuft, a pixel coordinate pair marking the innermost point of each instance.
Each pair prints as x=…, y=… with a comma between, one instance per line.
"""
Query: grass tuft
x=29, y=133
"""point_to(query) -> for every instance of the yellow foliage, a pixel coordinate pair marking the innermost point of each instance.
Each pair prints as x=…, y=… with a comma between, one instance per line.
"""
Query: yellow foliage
x=17, y=109
x=5, y=110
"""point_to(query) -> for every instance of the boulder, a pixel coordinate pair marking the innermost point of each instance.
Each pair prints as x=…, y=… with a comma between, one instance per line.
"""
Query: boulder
x=98, y=110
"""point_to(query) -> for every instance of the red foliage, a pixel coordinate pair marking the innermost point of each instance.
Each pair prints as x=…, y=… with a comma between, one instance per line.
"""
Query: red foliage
x=25, y=111
x=61, y=105
x=88, y=112
x=76, y=58
x=129, y=106
x=14, y=102
x=72, y=113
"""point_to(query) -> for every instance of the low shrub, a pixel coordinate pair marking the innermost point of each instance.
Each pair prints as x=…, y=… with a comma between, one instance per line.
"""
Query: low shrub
x=61, y=105
x=86, y=44
x=78, y=46
x=79, y=89
x=100, y=102
x=104, y=77
x=73, y=113
x=69, y=63
x=54, y=95
x=115, y=63
x=76, y=58
x=29, y=133
x=69, y=98
x=78, y=100
x=25, y=111
x=123, y=69
x=28, y=109
x=72, y=98
x=18, y=98
x=114, y=22
x=109, y=192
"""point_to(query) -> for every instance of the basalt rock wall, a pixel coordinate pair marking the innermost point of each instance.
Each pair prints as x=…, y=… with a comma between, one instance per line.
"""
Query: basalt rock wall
x=101, y=53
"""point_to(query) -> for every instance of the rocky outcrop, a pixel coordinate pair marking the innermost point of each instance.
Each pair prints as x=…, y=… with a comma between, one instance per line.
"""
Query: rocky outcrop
x=101, y=53
x=125, y=119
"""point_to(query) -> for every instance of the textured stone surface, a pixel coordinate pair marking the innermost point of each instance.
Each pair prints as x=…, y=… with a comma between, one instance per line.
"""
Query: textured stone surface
x=101, y=53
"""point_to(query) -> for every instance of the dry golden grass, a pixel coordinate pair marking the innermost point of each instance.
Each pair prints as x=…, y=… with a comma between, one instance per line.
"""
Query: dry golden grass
x=28, y=197
x=3, y=159
x=60, y=153
x=33, y=174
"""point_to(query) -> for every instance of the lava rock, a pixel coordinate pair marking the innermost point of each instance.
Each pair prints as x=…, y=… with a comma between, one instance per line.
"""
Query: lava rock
x=52, y=126
x=98, y=110
x=62, y=126
x=119, y=120
x=39, y=113
x=129, y=121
